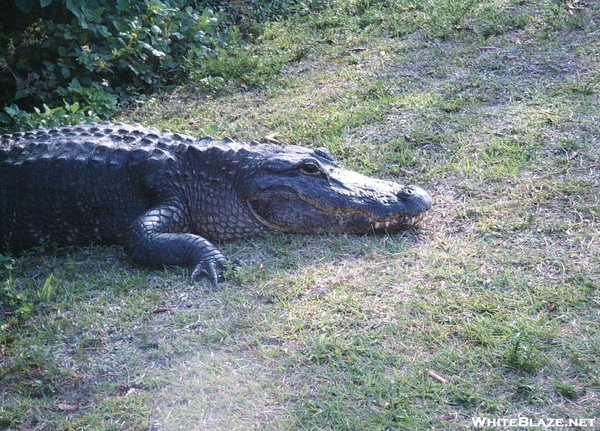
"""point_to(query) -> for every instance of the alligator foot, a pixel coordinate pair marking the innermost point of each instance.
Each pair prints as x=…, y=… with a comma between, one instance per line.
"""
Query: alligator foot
x=214, y=269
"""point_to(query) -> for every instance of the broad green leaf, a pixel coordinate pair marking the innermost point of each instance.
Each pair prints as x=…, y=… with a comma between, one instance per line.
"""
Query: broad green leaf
x=25, y=6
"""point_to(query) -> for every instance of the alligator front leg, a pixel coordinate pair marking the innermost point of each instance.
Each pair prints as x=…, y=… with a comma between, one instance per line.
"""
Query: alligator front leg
x=153, y=241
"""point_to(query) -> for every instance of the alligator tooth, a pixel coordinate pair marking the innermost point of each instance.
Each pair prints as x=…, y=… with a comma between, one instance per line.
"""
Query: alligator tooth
x=387, y=224
x=377, y=225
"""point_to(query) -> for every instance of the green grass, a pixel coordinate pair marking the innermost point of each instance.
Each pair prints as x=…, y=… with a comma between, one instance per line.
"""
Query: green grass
x=498, y=293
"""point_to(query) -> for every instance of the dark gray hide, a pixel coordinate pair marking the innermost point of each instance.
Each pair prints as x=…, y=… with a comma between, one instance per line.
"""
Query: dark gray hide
x=165, y=195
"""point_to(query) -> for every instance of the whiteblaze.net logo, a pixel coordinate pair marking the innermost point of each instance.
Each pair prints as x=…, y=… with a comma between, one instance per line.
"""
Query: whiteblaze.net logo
x=533, y=423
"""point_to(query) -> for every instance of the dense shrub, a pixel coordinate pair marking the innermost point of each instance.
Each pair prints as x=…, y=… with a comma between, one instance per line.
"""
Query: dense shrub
x=67, y=60
x=90, y=56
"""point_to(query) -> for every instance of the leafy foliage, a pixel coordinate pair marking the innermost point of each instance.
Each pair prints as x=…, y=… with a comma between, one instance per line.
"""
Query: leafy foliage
x=96, y=54
x=48, y=117
x=94, y=57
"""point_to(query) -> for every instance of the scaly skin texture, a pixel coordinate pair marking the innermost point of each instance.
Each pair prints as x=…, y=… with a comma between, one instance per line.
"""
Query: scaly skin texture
x=165, y=196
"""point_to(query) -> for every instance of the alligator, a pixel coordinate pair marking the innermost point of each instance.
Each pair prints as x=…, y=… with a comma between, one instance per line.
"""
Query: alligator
x=165, y=196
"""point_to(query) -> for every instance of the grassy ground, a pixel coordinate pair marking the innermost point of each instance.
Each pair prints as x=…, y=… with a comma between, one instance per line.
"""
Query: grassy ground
x=491, y=310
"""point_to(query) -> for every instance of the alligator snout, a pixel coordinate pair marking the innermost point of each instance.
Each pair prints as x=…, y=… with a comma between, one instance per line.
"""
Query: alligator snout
x=415, y=199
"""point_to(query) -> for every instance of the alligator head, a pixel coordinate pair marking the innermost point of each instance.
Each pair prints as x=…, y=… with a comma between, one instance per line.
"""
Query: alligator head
x=306, y=191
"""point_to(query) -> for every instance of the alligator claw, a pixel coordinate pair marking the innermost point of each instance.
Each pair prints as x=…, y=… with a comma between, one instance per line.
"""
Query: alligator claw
x=236, y=263
x=214, y=270
x=210, y=269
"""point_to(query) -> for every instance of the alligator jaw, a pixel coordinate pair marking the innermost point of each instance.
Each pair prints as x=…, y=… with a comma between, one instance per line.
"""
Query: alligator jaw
x=313, y=220
x=403, y=221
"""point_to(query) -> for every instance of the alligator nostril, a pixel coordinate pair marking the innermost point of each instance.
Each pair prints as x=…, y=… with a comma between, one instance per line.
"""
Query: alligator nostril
x=404, y=193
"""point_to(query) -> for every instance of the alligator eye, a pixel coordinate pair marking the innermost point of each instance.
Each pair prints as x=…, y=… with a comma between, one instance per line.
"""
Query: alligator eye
x=310, y=168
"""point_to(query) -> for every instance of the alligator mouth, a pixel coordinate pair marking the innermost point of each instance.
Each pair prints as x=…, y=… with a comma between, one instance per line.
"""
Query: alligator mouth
x=349, y=221
x=397, y=222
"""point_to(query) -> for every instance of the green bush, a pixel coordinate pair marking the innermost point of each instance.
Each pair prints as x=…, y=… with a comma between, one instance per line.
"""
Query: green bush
x=93, y=57
x=98, y=53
